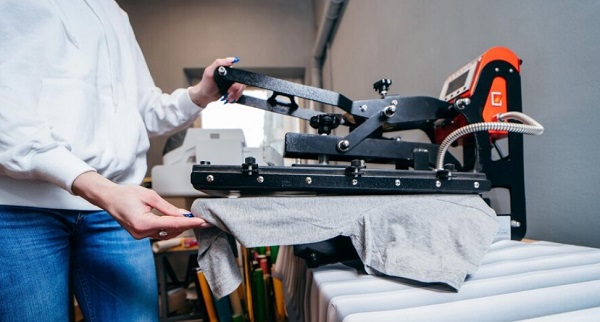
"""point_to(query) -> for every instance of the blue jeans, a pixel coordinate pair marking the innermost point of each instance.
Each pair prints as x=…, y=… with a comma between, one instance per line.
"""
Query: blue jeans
x=45, y=252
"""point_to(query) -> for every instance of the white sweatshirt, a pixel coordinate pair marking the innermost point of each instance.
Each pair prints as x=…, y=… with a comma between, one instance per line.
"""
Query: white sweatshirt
x=75, y=95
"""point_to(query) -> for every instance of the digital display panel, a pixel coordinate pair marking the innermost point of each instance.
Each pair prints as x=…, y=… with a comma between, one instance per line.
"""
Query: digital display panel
x=457, y=83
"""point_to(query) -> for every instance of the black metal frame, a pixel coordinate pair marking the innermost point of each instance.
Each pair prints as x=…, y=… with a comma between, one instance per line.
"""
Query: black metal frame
x=508, y=171
x=367, y=121
x=354, y=179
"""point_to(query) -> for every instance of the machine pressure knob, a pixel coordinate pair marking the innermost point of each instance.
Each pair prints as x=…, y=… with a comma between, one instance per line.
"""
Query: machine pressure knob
x=382, y=86
x=324, y=123
x=250, y=167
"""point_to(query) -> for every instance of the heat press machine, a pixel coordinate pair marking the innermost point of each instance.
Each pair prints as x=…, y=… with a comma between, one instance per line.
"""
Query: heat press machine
x=479, y=109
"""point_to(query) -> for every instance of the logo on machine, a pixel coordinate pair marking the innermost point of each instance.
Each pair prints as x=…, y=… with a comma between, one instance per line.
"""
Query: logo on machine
x=496, y=98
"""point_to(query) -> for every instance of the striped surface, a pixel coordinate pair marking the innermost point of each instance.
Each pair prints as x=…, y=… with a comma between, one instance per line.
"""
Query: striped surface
x=516, y=281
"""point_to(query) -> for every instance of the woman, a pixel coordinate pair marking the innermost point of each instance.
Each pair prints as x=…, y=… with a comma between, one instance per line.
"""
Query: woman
x=77, y=106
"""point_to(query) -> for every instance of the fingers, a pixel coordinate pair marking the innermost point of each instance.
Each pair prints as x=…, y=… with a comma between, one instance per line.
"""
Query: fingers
x=236, y=90
x=176, y=219
x=189, y=214
x=167, y=227
x=233, y=94
x=207, y=90
x=164, y=207
x=227, y=62
x=143, y=222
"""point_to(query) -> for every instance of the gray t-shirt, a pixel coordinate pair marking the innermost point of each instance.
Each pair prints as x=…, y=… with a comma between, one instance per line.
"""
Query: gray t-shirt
x=427, y=238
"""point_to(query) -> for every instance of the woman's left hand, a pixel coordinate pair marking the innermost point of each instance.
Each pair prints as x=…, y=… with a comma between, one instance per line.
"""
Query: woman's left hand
x=207, y=91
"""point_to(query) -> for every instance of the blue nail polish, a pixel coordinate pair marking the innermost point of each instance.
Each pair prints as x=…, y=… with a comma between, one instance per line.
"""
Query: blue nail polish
x=189, y=215
x=222, y=98
x=235, y=60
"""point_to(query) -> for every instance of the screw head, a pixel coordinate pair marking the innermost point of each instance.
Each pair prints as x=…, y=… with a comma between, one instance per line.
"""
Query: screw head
x=343, y=145
x=260, y=179
x=308, y=180
x=210, y=178
x=389, y=110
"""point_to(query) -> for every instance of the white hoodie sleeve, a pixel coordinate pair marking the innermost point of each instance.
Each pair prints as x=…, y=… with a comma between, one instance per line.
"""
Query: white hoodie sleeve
x=162, y=112
x=29, y=149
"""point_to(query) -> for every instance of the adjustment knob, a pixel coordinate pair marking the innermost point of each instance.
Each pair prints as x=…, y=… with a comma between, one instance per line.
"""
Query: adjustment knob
x=382, y=86
x=324, y=123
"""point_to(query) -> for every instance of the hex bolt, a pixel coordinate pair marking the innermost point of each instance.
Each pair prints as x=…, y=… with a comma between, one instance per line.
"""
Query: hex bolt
x=210, y=178
x=389, y=110
x=461, y=103
x=343, y=145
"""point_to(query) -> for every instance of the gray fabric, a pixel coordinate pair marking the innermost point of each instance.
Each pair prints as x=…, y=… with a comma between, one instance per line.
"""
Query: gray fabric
x=428, y=238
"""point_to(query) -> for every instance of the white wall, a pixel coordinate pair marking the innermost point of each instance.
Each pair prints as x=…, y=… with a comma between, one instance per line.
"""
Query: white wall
x=418, y=43
x=178, y=34
x=175, y=34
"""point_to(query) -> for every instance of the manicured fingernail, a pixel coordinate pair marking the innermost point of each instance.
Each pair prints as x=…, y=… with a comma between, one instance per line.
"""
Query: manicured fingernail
x=231, y=101
x=235, y=60
x=206, y=225
x=189, y=215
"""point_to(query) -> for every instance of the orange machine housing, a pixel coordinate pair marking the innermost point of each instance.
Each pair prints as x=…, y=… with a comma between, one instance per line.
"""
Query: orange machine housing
x=496, y=102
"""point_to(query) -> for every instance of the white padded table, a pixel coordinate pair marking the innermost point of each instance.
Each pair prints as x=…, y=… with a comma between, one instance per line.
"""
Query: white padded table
x=516, y=281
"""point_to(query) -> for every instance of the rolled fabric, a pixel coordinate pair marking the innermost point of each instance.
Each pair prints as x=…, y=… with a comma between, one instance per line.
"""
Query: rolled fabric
x=164, y=245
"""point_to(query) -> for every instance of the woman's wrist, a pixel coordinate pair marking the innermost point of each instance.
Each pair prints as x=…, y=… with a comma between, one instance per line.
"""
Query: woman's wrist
x=91, y=186
x=197, y=97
